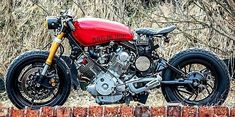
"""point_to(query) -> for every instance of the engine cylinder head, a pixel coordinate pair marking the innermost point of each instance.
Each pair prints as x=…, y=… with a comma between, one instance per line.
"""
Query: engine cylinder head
x=123, y=56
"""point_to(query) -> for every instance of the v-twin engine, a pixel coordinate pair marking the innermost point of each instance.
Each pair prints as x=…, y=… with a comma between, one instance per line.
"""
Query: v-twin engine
x=107, y=82
x=110, y=82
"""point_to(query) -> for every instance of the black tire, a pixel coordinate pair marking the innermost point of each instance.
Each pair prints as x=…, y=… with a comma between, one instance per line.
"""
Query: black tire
x=12, y=87
x=218, y=69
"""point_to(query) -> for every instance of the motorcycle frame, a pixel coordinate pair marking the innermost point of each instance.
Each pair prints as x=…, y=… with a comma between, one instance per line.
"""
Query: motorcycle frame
x=76, y=50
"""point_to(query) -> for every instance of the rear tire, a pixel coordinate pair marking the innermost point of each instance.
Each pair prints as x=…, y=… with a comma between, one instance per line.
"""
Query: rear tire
x=213, y=63
x=14, y=85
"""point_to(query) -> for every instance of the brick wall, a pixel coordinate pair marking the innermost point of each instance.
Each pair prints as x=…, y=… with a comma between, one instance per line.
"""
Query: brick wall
x=122, y=111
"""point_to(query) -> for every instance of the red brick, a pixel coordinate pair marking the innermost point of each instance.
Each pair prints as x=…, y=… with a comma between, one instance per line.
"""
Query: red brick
x=221, y=111
x=173, y=111
x=59, y=111
x=158, y=111
x=67, y=112
x=3, y=112
x=188, y=111
x=95, y=111
x=232, y=112
x=110, y=111
x=80, y=112
x=142, y=111
x=47, y=112
x=63, y=112
x=32, y=113
x=205, y=111
x=145, y=111
x=16, y=113
x=126, y=111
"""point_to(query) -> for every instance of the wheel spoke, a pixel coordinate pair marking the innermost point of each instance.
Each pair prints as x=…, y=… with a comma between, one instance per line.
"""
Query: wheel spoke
x=189, y=69
x=203, y=70
x=195, y=97
x=208, y=90
x=203, y=94
x=209, y=86
x=183, y=91
x=190, y=97
x=185, y=69
x=210, y=79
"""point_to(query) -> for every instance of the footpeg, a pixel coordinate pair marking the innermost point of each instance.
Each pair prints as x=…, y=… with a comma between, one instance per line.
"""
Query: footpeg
x=154, y=83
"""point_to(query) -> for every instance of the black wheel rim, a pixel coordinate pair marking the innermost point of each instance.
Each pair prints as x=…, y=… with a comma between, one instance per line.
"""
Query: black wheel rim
x=17, y=91
x=193, y=95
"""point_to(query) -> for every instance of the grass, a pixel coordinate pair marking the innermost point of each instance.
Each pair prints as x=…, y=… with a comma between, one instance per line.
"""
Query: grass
x=84, y=99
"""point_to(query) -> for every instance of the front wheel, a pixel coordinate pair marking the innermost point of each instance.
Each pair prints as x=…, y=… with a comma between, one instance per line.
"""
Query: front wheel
x=203, y=68
x=27, y=88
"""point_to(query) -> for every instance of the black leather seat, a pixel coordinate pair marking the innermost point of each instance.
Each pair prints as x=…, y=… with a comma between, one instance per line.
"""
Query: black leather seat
x=153, y=32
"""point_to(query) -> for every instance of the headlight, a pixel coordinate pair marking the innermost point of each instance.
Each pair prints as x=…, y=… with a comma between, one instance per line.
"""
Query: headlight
x=52, y=22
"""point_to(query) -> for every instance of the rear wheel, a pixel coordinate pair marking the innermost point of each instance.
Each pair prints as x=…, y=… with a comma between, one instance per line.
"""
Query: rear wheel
x=27, y=88
x=209, y=75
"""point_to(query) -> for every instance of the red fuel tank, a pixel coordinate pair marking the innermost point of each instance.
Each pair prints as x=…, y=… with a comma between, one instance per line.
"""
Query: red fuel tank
x=93, y=31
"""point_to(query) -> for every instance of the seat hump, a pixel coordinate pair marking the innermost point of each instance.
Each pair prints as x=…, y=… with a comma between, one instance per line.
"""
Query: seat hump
x=152, y=31
x=166, y=29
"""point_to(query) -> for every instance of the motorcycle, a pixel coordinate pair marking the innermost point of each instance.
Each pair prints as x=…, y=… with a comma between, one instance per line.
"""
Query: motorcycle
x=115, y=65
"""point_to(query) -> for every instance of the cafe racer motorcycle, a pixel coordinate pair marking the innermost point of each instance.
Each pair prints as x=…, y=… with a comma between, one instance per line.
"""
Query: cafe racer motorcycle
x=116, y=64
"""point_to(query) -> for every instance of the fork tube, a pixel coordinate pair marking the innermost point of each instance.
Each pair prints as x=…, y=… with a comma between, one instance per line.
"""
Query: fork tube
x=54, y=46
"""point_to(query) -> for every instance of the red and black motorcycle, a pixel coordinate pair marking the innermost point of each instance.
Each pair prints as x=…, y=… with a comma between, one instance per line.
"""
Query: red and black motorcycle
x=115, y=66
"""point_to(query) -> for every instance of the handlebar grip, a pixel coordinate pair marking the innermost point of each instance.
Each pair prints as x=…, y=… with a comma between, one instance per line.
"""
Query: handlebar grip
x=71, y=26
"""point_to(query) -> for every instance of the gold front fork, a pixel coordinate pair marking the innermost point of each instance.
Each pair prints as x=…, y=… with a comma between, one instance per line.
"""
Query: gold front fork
x=54, y=46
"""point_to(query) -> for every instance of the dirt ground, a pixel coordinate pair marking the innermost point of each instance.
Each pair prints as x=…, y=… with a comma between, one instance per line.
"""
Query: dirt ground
x=84, y=99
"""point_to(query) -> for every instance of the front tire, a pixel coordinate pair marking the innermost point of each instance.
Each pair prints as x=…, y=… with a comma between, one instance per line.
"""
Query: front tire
x=22, y=74
x=214, y=77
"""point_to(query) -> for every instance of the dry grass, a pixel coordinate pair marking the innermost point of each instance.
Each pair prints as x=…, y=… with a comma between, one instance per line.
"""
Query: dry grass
x=202, y=24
